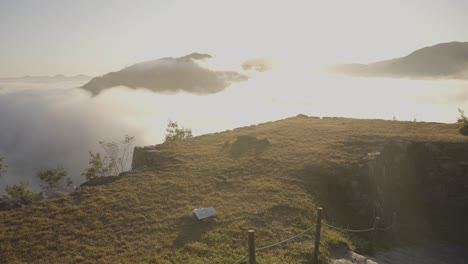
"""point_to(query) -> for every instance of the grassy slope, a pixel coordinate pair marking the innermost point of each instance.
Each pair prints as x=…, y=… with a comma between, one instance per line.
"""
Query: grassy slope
x=143, y=218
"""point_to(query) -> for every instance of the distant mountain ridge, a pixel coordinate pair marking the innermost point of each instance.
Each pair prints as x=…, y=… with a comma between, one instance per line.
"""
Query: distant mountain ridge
x=445, y=60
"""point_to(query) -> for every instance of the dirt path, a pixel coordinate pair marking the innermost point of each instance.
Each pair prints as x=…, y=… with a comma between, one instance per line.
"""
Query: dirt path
x=434, y=252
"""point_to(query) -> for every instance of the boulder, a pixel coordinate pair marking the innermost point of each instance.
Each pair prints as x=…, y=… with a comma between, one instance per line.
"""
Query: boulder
x=41, y=196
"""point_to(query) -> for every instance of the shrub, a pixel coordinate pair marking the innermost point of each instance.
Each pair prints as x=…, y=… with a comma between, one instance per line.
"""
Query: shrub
x=99, y=167
x=113, y=161
x=174, y=133
x=52, y=177
x=462, y=123
x=16, y=191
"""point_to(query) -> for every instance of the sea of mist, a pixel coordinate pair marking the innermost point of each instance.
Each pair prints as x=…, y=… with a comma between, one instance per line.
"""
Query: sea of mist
x=46, y=124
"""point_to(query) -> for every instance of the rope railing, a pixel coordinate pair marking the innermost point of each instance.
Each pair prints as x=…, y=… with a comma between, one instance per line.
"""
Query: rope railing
x=386, y=228
x=286, y=240
x=241, y=259
x=359, y=230
x=348, y=230
x=252, y=249
x=276, y=244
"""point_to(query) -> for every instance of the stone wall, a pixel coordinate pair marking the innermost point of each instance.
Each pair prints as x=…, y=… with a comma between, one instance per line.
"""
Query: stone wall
x=150, y=157
x=427, y=184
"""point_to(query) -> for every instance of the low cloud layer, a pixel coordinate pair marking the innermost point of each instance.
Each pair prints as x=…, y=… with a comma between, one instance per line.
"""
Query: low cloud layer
x=169, y=75
x=49, y=124
x=258, y=64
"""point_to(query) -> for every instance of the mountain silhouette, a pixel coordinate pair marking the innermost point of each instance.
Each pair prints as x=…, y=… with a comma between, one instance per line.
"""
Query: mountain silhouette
x=445, y=60
x=168, y=75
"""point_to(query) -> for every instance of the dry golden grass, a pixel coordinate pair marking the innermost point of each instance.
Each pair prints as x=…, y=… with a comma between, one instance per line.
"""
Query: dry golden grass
x=143, y=218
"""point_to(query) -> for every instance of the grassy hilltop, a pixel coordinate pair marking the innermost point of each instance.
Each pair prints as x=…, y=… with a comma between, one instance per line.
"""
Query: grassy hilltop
x=143, y=217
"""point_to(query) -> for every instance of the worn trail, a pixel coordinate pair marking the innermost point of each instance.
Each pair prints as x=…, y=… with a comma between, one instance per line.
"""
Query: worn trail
x=434, y=252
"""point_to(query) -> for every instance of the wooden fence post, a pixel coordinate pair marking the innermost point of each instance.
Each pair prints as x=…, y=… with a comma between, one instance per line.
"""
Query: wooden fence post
x=317, y=234
x=252, y=257
x=374, y=234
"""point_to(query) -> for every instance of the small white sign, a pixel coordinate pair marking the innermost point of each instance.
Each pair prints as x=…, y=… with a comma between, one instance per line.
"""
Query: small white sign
x=203, y=213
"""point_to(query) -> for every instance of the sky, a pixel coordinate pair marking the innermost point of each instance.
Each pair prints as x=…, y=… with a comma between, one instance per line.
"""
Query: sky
x=51, y=37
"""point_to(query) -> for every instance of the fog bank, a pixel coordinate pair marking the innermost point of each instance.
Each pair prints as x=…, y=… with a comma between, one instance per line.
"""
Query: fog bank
x=55, y=123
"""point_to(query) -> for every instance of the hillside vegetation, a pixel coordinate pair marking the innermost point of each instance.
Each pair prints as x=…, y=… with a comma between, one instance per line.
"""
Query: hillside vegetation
x=143, y=217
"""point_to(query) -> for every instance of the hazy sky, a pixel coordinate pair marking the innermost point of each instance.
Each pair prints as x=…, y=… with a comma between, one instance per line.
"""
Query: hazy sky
x=50, y=37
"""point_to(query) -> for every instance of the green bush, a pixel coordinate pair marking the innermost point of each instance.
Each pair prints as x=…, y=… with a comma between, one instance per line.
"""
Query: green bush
x=112, y=162
x=20, y=191
x=174, y=133
x=462, y=123
x=99, y=166
x=52, y=177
